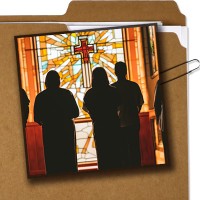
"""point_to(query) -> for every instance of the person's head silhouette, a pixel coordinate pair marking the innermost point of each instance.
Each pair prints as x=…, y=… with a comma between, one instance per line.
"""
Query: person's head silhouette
x=120, y=70
x=52, y=79
x=99, y=78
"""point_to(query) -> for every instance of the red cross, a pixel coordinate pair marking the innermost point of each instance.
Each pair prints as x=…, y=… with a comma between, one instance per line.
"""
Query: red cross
x=84, y=50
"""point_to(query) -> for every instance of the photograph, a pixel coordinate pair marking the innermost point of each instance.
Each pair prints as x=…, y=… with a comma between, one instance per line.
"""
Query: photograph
x=91, y=100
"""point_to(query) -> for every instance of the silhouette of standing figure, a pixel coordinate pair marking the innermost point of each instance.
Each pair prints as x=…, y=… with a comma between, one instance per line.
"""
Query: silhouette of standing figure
x=159, y=111
x=55, y=109
x=25, y=106
x=101, y=101
x=131, y=103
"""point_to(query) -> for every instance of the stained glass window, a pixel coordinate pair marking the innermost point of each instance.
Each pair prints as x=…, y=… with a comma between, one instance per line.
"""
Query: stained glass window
x=74, y=55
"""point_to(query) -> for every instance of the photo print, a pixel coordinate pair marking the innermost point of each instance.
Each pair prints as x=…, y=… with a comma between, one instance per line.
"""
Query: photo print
x=91, y=100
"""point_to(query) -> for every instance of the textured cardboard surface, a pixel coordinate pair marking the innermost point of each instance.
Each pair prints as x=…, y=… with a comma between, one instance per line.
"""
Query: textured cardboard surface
x=103, y=11
x=152, y=183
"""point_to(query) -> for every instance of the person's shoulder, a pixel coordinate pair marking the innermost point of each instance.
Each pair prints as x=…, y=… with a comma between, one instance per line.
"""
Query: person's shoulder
x=89, y=92
x=42, y=93
x=24, y=97
x=113, y=90
x=132, y=83
x=65, y=92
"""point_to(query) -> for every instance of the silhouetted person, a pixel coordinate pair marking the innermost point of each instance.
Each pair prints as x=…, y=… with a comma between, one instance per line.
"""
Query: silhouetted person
x=101, y=101
x=25, y=106
x=158, y=106
x=55, y=109
x=131, y=103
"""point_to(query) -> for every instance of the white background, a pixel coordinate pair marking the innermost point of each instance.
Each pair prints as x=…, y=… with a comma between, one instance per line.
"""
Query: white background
x=190, y=8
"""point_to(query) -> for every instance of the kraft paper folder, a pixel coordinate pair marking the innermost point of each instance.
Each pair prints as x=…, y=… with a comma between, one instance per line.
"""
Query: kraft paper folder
x=166, y=182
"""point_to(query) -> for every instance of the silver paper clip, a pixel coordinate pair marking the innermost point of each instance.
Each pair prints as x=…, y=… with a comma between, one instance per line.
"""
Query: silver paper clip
x=184, y=74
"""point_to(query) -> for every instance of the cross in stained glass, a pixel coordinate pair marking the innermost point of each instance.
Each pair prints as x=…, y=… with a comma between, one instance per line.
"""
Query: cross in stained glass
x=84, y=49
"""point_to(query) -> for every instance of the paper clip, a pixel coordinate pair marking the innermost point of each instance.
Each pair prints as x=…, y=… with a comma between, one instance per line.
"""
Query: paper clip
x=186, y=73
